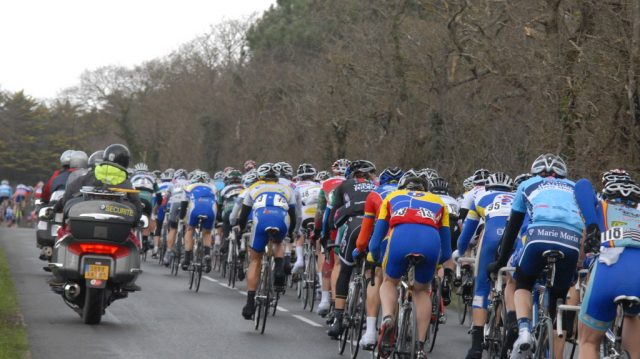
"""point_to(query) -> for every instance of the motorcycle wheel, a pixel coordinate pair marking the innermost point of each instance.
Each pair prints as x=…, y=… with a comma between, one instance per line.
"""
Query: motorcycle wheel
x=93, y=306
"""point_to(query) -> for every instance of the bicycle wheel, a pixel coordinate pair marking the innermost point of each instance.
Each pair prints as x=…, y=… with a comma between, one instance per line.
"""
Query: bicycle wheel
x=342, y=340
x=462, y=308
x=192, y=275
x=200, y=265
x=266, y=279
x=359, y=317
x=494, y=336
x=432, y=332
x=232, y=264
x=544, y=340
x=313, y=282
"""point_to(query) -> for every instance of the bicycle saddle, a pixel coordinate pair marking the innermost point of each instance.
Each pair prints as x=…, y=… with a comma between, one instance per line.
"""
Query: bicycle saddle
x=202, y=216
x=552, y=255
x=627, y=301
x=414, y=259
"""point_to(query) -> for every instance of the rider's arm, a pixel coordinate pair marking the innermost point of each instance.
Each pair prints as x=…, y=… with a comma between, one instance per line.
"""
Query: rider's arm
x=298, y=211
x=589, y=204
x=468, y=229
x=368, y=222
x=337, y=201
x=292, y=219
x=445, y=236
x=514, y=223
x=244, y=215
x=380, y=229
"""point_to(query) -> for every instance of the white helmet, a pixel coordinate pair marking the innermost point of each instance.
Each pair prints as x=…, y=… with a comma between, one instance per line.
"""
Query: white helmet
x=549, y=163
x=79, y=159
x=499, y=180
x=65, y=158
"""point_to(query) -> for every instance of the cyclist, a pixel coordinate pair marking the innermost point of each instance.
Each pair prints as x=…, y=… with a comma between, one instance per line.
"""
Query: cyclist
x=307, y=192
x=555, y=224
x=493, y=205
x=285, y=174
x=326, y=260
x=273, y=206
x=322, y=176
x=228, y=198
x=249, y=165
x=162, y=197
x=21, y=196
x=619, y=256
x=479, y=178
x=218, y=180
x=417, y=223
x=144, y=181
x=176, y=196
x=59, y=178
x=347, y=212
x=389, y=178
x=200, y=201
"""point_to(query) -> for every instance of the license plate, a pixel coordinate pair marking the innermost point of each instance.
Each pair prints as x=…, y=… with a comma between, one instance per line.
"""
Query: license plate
x=54, y=230
x=93, y=271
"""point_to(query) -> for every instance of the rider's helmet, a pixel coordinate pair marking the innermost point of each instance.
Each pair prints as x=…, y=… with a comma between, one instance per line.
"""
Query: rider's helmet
x=468, y=183
x=361, y=167
x=218, y=176
x=480, y=177
x=521, y=178
x=616, y=175
x=390, y=175
x=249, y=178
x=428, y=173
x=5, y=182
x=79, y=159
x=412, y=182
x=627, y=193
x=233, y=176
x=157, y=173
x=439, y=185
x=249, y=165
x=499, y=181
x=284, y=169
x=118, y=154
x=141, y=167
x=267, y=172
x=167, y=175
x=322, y=176
x=200, y=177
x=65, y=158
x=549, y=164
x=339, y=167
x=228, y=169
x=306, y=171
x=180, y=173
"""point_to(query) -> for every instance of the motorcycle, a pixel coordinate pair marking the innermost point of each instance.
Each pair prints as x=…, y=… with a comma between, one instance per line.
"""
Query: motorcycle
x=47, y=229
x=95, y=260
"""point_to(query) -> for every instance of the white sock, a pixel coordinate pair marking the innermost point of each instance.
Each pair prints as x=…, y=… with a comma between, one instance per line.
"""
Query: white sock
x=326, y=297
x=299, y=254
x=371, y=324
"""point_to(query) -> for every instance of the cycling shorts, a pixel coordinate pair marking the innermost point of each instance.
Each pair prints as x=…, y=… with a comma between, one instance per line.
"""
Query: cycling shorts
x=605, y=284
x=348, y=238
x=264, y=218
x=174, y=214
x=202, y=207
x=412, y=238
x=544, y=238
x=19, y=198
x=161, y=212
x=487, y=253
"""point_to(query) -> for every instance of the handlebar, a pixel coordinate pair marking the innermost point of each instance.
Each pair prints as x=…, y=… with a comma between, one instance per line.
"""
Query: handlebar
x=502, y=271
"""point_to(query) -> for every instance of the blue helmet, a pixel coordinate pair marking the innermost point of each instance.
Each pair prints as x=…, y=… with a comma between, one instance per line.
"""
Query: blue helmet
x=390, y=175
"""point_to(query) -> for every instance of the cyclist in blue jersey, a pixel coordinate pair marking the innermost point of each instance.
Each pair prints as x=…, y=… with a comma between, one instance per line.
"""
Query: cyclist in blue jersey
x=161, y=195
x=619, y=219
x=201, y=201
x=493, y=205
x=555, y=224
x=5, y=191
x=273, y=207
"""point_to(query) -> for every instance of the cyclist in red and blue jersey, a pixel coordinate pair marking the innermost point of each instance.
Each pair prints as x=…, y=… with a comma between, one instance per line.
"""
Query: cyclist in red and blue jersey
x=201, y=201
x=273, y=207
x=494, y=206
x=417, y=224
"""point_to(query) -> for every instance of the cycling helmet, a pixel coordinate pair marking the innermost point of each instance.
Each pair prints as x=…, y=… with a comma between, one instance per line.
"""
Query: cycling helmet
x=628, y=192
x=439, y=185
x=390, y=175
x=306, y=170
x=218, y=176
x=284, y=169
x=249, y=178
x=468, y=183
x=228, y=169
x=141, y=167
x=233, y=176
x=267, y=171
x=361, y=166
x=249, y=165
x=95, y=158
x=200, y=177
x=65, y=158
x=322, y=176
x=616, y=175
x=118, y=154
x=428, y=173
x=499, y=180
x=5, y=182
x=167, y=175
x=180, y=174
x=549, y=163
x=79, y=159
x=480, y=177
x=413, y=183
x=339, y=167
x=521, y=178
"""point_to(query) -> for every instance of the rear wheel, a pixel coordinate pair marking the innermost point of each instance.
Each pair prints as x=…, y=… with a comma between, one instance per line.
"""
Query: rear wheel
x=544, y=343
x=93, y=305
x=432, y=332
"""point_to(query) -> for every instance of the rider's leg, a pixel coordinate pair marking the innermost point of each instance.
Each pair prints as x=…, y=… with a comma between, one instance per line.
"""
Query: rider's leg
x=325, y=272
x=279, y=275
x=422, y=298
x=373, y=305
x=631, y=336
x=253, y=275
x=188, y=247
x=299, y=265
x=589, y=340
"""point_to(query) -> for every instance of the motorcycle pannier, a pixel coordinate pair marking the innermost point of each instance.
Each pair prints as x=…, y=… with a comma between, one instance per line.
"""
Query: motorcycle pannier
x=101, y=219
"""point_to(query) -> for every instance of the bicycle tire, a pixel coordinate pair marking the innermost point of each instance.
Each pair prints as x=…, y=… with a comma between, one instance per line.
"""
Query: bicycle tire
x=359, y=318
x=342, y=339
x=462, y=312
x=495, y=335
x=267, y=295
x=404, y=338
x=435, y=315
x=257, y=314
x=314, y=281
x=200, y=263
x=544, y=342
x=276, y=298
x=192, y=275
x=232, y=266
x=198, y=278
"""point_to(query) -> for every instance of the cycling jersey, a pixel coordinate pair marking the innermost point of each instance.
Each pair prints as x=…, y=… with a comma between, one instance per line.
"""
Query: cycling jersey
x=322, y=215
x=371, y=210
x=307, y=193
x=202, y=202
x=272, y=203
x=20, y=194
x=470, y=196
x=227, y=198
x=349, y=199
x=494, y=207
x=416, y=223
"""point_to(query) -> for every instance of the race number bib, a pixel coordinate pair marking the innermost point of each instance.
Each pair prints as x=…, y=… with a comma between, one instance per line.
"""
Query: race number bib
x=271, y=200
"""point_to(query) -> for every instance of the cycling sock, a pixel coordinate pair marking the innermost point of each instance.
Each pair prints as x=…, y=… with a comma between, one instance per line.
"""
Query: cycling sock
x=187, y=256
x=511, y=319
x=325, y=296
x=279, y=266
x=371, y=324
x=251, y=296
x=523, y=324
x=207, y=251
x=477, y=336
x=299, y=254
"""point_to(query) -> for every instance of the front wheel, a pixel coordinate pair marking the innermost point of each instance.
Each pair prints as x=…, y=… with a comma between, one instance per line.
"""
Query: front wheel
x=544, y=342
x=93, y=305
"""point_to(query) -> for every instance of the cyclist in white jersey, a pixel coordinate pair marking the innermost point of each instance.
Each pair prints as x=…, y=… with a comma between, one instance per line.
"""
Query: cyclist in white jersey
x=176, y=196
x=306, y=192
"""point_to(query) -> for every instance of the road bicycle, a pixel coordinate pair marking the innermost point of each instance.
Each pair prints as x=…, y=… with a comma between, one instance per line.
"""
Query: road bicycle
x=266, y=296
x=355, y=311
x=197, y=265
x=495, y=331
x=465, y=282
x=611, y=347
x=309, y=282
x=178, y=249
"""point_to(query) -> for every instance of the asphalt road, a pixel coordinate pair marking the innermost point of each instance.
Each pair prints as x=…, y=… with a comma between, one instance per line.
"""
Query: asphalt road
x=166, y=320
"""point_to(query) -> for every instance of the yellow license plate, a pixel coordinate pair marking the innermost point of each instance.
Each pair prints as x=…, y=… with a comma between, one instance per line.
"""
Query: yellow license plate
x=96, y=272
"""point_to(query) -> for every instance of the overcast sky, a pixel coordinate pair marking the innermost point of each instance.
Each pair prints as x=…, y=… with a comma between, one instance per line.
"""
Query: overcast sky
x=45, y=45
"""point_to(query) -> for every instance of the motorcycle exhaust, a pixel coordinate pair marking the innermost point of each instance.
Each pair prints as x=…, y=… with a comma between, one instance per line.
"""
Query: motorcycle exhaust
x=71, y=291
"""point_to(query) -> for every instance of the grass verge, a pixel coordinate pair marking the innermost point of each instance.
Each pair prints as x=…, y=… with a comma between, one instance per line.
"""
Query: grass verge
x=13, y=334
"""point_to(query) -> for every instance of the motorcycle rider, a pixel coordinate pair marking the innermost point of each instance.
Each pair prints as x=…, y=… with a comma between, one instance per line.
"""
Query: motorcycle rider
x=79, y=162
x=59, y=178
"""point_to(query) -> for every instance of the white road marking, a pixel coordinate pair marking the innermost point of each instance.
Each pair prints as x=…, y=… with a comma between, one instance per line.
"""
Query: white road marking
x=210, y=279
x=282, y=309
x=308, y=321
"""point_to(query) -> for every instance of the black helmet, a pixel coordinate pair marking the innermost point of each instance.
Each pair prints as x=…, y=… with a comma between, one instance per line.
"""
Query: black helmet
x=118, y=154
x=413, y=183
x=480, y=177
x=439, y=185
x=361, y=166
